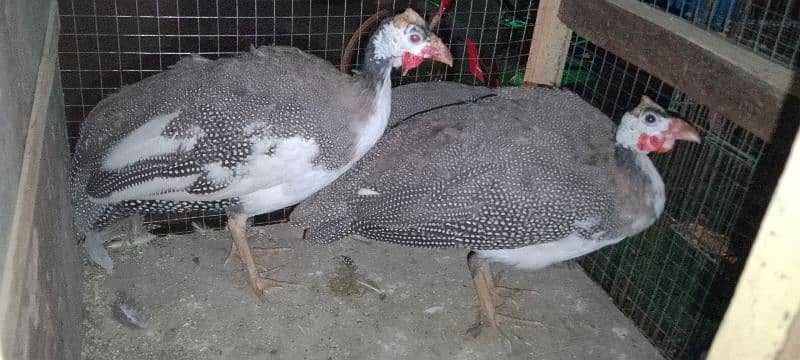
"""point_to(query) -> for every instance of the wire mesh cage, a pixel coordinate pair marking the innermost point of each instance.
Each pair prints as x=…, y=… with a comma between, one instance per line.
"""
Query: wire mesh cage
x=675, y=279
x=106, y=44
x=768, y=27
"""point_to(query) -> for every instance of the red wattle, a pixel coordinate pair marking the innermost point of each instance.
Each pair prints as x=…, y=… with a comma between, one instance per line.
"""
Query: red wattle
x=651, y=143
x=411, y=61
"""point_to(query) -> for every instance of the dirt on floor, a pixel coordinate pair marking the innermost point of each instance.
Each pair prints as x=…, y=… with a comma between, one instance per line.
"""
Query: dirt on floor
x=174, y=299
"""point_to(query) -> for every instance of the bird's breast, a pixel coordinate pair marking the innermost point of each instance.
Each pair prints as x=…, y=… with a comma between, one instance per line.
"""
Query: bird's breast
x=534, y=257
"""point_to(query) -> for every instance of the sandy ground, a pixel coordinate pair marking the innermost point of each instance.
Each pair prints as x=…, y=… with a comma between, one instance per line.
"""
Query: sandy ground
x=193, y=307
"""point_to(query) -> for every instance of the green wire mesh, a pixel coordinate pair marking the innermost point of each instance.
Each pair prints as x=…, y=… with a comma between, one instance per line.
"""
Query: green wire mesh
x=675, y=279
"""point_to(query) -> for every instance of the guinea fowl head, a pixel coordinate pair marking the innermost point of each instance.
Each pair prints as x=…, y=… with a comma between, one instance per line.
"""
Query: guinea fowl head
x=648, y=128
x=405, y=41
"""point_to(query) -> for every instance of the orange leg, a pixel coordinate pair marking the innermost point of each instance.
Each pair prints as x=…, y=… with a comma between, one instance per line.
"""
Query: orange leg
x=489, y=296
x=237, y=225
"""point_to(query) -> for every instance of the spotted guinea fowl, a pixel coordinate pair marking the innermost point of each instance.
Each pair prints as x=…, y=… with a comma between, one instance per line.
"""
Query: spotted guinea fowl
x=529, y=177
x=247, y=135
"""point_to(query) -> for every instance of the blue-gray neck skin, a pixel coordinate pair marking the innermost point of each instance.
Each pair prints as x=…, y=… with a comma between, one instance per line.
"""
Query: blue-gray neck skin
x=377, y=66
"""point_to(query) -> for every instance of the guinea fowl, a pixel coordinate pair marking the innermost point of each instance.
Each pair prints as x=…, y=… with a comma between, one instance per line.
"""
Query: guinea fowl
x=246, y=135
x=529, y=177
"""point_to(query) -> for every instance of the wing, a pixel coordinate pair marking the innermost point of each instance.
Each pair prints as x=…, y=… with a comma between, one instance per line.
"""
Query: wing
x=216, y=130
x=480, y=208
x=496, y=205
x=495, y=174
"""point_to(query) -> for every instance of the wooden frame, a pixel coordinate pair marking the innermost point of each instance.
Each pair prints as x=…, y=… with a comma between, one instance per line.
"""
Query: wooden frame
x=19, y=281
x=549, y=45
x=763, y=319
x=744, y=87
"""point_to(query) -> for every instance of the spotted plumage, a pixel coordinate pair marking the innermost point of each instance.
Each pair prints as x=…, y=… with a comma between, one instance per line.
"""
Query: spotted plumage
x=214, y=114
x=247, y=135
x=527, y=177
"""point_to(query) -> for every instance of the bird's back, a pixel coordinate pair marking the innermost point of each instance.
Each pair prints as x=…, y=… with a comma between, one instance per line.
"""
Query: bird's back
x=292, y=82
x=527, y=166
x=414, y=99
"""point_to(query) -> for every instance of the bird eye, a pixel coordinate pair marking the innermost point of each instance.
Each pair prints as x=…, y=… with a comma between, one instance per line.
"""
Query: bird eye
x=415, y=38
x=650, y=119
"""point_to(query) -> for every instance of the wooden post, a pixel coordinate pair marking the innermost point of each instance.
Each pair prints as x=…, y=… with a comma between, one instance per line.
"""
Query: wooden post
x=743, y=86
x=22, y=298
x=763, y=319
x=549, y=47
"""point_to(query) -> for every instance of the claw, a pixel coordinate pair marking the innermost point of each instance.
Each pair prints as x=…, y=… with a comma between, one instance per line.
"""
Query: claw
x=237, y=225
x=491, y=298
x=262, y=283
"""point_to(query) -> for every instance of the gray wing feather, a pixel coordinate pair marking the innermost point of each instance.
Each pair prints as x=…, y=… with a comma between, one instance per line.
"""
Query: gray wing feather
x=277, y=88
x=500, y=173
x=260, y=90
x=239, y=88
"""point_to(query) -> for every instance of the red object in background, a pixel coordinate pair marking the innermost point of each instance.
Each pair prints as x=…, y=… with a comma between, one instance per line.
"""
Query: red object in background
x=474, y=61
x=494, y=78
x=444, y=5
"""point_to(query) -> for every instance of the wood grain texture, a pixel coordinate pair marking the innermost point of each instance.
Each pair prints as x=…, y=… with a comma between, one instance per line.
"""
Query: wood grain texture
x=742, y=86
x=40, y=303
x=761, y=320
x=549, y=47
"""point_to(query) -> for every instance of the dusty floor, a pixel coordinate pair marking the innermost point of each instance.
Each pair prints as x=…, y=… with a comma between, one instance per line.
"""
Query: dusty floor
x=195, y=308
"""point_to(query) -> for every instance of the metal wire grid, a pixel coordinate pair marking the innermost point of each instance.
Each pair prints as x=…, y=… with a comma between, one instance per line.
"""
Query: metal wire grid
x=768, y=27
x=670, y=280
x=502, y=30
x=661, y=279
x=105, y=44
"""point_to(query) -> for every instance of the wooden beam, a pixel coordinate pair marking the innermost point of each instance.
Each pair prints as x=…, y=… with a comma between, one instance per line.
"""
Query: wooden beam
x=549, y=46
x=744, y=87
x=20, y=268
x=762, y=321
x=791, y=348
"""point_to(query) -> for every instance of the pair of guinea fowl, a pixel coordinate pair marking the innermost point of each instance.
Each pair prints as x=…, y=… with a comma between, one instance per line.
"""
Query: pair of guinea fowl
x=522, y=176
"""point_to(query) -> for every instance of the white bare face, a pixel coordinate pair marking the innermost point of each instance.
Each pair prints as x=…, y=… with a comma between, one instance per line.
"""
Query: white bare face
x=632, y=127
x=405, y=41
x=393, y=42
x=653, y=131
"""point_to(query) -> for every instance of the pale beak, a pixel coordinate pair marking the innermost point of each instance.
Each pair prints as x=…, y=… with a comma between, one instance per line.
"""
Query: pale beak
x=681, y=130
x=437, y=51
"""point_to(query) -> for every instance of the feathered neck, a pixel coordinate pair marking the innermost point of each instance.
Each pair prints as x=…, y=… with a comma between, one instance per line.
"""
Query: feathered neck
x=642, y=175
x=378, y=61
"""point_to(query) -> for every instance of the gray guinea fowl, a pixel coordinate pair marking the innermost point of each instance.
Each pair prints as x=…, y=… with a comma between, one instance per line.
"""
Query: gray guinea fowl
x=529, y=177
x=246, y=135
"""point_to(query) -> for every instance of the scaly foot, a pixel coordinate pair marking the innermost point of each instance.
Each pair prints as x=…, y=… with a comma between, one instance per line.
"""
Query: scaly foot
x=237, y=226
x=491, y=298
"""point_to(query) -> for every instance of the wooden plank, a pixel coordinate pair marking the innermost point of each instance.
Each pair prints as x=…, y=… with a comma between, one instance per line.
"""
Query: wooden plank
x=761, y=321
x=742, y=86
x=20, y=265
x=549, y=47
x=791, y=348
